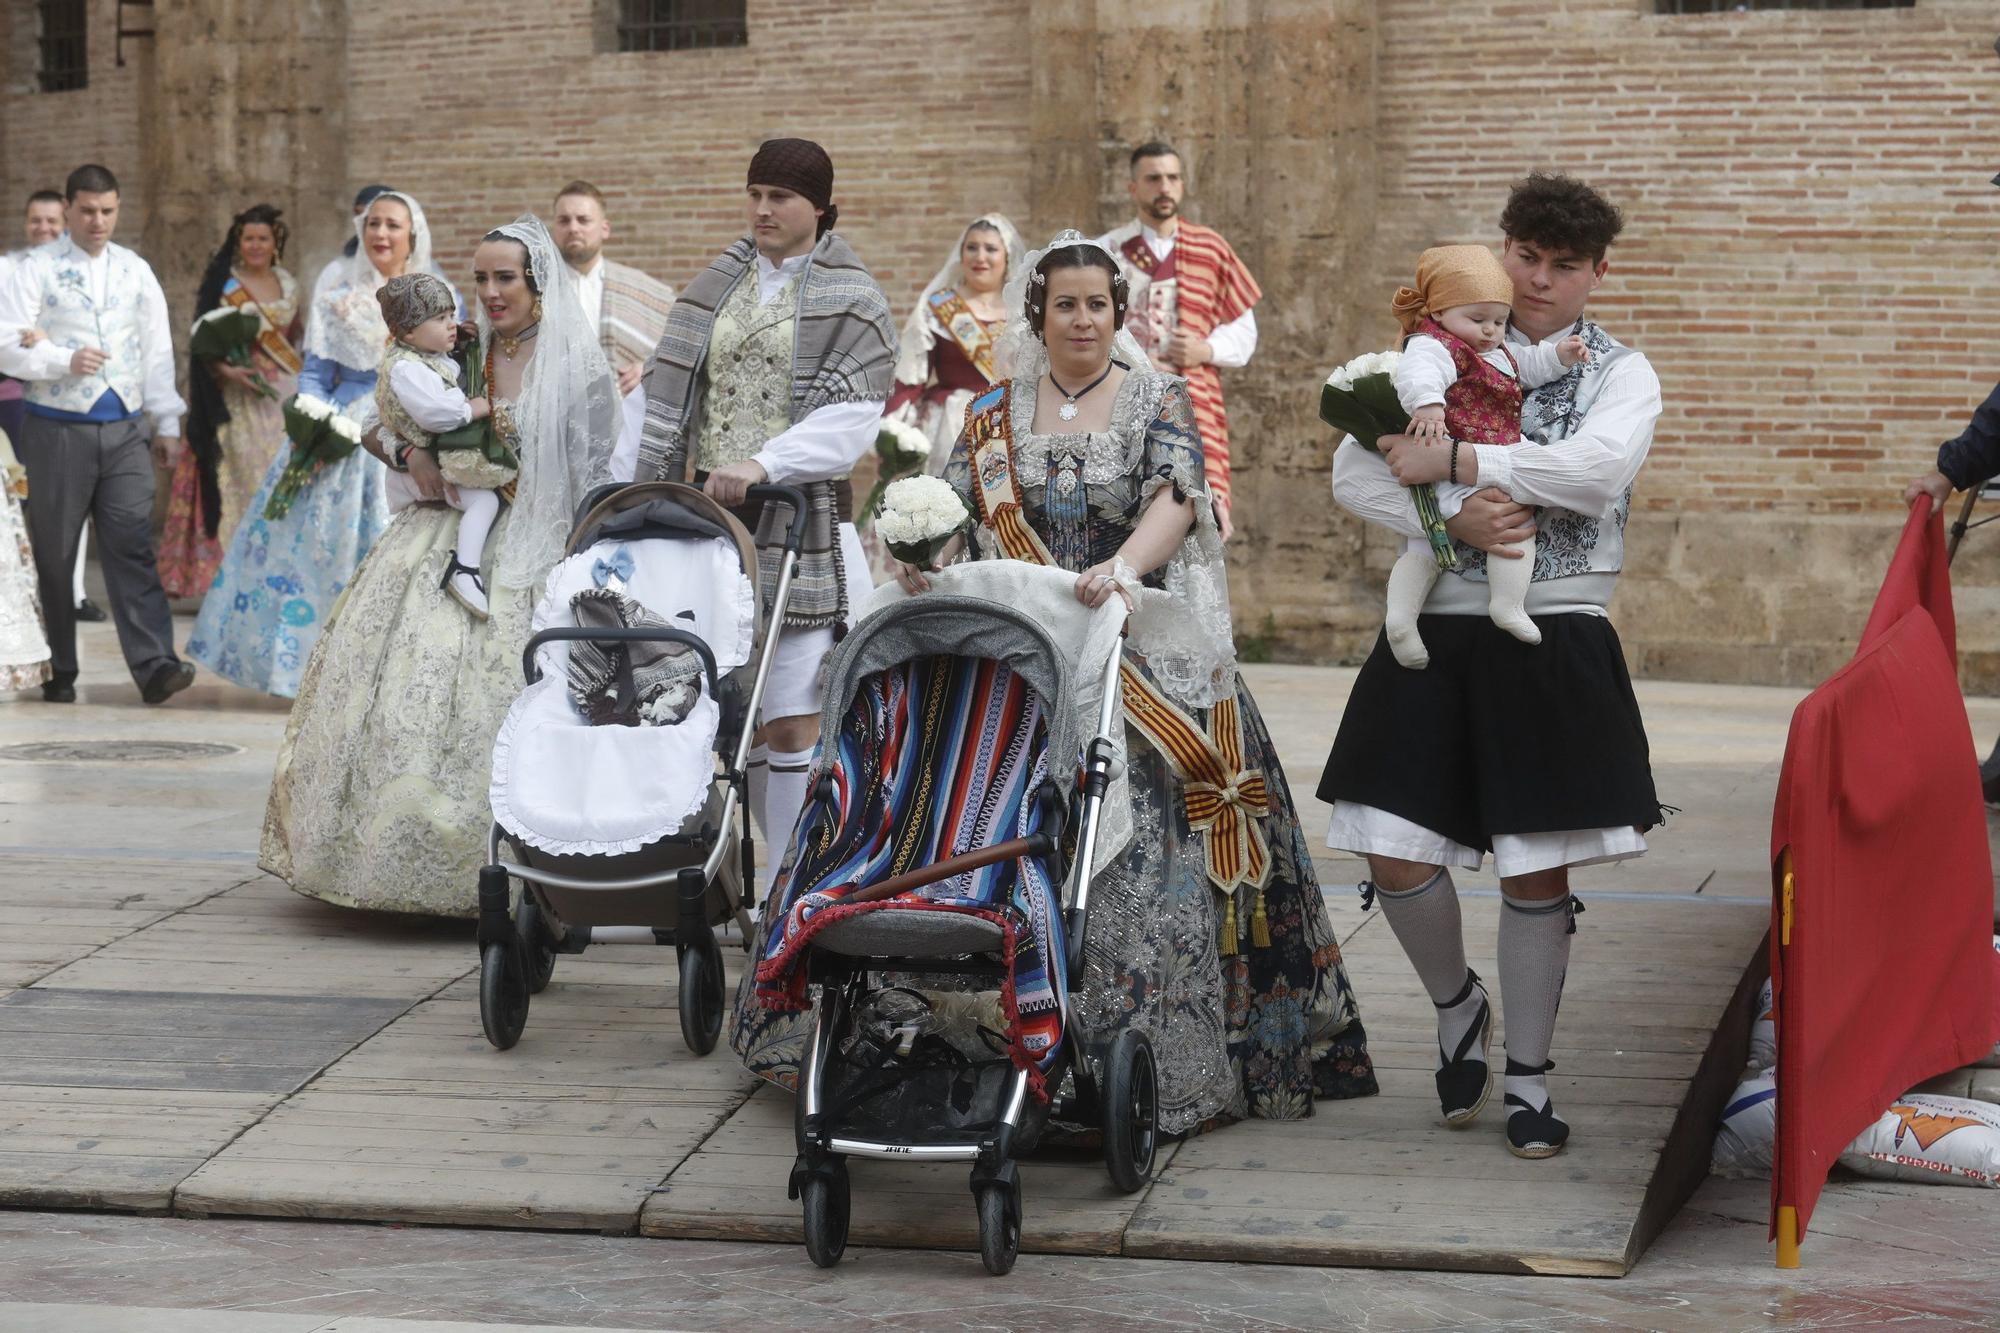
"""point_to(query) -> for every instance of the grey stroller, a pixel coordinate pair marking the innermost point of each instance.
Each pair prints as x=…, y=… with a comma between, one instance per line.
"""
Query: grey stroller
x=644, y=827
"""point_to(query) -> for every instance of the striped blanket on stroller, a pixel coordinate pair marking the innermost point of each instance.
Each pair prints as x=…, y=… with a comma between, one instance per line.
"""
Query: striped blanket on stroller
x=937, y=757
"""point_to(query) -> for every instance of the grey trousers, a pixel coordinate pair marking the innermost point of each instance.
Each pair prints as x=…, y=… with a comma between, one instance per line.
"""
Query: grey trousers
x=81, y=470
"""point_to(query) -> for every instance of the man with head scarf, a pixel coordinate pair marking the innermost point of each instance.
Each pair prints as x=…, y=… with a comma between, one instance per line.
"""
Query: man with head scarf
x=774, y=367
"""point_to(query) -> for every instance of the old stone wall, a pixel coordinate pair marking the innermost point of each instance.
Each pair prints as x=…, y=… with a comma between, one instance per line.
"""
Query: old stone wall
x=1808, y=259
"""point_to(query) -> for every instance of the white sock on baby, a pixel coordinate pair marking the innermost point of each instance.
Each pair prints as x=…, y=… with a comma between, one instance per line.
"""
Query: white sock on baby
x=477, y=510
x=1410, y=583
x=1507, y=591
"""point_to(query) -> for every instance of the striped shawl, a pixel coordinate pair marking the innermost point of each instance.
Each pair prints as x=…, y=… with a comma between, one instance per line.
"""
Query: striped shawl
x=844, y=350
x=634, y=314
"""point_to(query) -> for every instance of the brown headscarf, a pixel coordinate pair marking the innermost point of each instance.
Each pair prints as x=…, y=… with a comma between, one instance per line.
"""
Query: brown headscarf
x=801, y=166
x=1452, y=275
x=409, y=299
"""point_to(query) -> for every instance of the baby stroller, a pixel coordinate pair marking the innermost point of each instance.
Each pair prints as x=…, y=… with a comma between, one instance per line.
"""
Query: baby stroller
x=633, y=826
x=949, y=842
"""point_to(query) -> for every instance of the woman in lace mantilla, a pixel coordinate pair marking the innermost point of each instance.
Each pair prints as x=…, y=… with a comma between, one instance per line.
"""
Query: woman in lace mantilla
x=380, y=798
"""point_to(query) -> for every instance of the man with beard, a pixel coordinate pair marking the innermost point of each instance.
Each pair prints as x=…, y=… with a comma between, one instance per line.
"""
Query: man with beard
x=628, y=308
x=1191, y=301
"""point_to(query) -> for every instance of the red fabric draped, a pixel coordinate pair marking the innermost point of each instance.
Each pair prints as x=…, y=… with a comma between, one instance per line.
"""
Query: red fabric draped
x=1888, y=977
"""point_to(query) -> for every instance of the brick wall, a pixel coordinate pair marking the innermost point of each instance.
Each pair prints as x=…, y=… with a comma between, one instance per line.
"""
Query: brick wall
x=43, y=136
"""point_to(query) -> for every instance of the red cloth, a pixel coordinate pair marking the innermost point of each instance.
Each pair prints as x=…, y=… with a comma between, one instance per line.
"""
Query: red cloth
x=1483, y=405
x=1889, y=976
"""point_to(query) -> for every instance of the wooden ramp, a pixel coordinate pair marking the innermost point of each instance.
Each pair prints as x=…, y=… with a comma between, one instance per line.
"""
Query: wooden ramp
x=1377, y=1182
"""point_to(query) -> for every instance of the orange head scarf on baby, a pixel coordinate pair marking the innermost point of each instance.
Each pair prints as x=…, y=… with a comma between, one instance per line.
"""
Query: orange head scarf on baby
x=1452, y=275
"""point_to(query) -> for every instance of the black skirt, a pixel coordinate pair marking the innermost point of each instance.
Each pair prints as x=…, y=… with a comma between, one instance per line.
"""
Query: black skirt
x=1498, y=736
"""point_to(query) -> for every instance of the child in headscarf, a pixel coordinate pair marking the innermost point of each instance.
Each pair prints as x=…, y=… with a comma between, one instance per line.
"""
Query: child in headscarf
x=418, y=399
x=1459, y=381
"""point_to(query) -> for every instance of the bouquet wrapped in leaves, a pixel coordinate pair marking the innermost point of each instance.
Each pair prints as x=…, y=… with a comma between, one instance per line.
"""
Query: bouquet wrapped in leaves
x=480, y=434
x=901, y=450
x=320, y=435
x=227, y=334
x=920, y=516
x=1360, y=399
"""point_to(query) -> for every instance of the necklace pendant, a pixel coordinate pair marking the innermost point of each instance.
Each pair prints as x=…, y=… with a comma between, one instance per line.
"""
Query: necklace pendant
x=1067, y=411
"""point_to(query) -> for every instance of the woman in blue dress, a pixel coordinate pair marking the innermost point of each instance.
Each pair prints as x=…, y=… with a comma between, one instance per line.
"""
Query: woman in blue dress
x=281, y=576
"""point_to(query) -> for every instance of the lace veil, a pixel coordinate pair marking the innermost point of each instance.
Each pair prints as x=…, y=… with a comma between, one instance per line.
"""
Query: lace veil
x=920, y=331
x=344, y=323
x=567, y=415
x=1183, y=629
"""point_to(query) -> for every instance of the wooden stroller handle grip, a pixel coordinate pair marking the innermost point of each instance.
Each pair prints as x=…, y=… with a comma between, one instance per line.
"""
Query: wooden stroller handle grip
x=945, y=869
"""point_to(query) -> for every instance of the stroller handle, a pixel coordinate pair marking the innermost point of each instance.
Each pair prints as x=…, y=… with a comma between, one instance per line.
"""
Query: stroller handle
x=795, y=536
x=620, y=634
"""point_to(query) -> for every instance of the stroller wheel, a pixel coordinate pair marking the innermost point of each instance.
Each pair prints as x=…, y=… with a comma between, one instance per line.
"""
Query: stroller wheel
x=701, y=996
x=538, y=946
x=1131, y=1111
x=503, y=995
x=826, y=1205
x=999, y=1226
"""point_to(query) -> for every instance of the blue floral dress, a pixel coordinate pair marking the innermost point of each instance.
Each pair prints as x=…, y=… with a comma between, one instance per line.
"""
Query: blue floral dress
x=280, y=577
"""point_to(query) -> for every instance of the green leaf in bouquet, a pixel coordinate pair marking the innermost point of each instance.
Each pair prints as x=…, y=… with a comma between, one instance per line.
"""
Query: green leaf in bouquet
x=1377, y=393
x=225, y=336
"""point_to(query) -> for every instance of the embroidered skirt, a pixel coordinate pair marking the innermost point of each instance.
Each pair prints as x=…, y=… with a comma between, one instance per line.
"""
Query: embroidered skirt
x=1498, y=736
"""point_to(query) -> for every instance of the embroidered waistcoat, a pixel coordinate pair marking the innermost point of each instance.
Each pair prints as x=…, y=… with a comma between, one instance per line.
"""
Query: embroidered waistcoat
x=71, y=318
x=749, y=375
x=1483, y=405
x=396, y=419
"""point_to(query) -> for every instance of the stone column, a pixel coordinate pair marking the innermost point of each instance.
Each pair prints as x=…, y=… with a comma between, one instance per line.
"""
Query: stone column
x=1272, y=103
x=246, y=104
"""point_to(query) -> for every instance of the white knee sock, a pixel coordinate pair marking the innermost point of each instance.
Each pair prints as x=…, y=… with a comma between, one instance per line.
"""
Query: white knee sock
x=1534, y=958
x=1410, y=582
x=784, y=797
x=477, y=510
x=1507, y=592
x=1427, y=924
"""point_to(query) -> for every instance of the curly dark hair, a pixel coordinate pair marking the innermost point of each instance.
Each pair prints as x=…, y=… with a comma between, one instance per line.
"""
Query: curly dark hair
x=1561, y=213
x=1073, y=256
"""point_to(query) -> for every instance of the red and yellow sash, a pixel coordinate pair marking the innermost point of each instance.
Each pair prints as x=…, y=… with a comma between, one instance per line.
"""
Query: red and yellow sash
x=965, y=329
x=270, y=338
x=1224, y=796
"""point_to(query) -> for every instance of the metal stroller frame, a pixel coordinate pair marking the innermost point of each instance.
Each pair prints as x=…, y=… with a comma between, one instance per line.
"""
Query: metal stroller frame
x=1122, y=1099
x=518, y=947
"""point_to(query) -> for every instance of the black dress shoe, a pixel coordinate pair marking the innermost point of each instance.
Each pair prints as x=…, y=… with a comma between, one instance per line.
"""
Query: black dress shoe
x=91, y=611
x=168, y=681
x=58, y=692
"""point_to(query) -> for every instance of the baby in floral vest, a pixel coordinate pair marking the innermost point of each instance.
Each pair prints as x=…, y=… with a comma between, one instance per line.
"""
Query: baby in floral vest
x=418, y=399
x=1458, y=380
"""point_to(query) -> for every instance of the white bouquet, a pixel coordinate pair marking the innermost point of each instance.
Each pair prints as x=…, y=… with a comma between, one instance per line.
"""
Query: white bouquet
x=900, y=450
x=920, y=516
x=314, y=409
x=346, y=427
x=1360, y=399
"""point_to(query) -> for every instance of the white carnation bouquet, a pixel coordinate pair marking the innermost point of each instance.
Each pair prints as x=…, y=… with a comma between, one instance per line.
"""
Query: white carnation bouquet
x=321, y=434
x=901, y=450
x=1360, y=399
x=920, y=516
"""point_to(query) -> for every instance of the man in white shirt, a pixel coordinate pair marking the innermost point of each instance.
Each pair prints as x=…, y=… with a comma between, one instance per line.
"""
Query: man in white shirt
x=1191, y=302
x=774, y=367
x=1534, y=753
x=627, y=307
x=104, y=361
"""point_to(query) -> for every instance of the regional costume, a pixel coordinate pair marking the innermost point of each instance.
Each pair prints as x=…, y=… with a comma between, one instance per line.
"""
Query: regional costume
x=1191, y=280
x=628, y=309
x=787, y=364
x=946, y=356
x=1535, y=754
x=84, y=440
x=381, y=796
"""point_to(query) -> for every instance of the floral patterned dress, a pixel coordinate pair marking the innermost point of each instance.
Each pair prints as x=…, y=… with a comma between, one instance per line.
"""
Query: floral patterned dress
x=24, y=651
x=251, y=439
x=1255, y=1031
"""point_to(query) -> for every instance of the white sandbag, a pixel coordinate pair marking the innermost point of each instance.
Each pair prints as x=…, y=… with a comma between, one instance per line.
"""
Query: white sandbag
x=1949, y=1140
x=1749, y=1128
x=1764, y=1033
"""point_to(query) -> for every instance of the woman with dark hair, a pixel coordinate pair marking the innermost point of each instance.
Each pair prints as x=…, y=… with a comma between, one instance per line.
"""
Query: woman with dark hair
x=235, y=426
x=380, y=798
x=288, y=561
x=1208, y=933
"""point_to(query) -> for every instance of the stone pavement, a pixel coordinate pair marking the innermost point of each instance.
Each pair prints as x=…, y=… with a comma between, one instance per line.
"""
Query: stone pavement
x=160, y=901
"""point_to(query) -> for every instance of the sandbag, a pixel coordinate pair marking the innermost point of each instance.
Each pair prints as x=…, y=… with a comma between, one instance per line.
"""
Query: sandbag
x=1749, y=1128
x=1948, y=1140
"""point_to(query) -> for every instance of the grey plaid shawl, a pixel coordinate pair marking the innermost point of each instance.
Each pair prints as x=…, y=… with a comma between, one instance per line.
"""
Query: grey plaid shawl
x=844, y=350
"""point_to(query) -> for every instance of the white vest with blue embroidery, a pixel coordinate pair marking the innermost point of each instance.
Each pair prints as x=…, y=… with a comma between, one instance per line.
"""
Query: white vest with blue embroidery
x=71, y=318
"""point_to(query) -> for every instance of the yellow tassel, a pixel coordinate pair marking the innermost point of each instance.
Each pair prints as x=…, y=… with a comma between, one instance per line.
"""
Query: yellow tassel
x=1260, y=925
x=1228, y=944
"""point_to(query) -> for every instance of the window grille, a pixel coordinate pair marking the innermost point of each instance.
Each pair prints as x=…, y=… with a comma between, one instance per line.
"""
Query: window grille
x=65, y=56
x=1745, y=6
x=681, y=25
